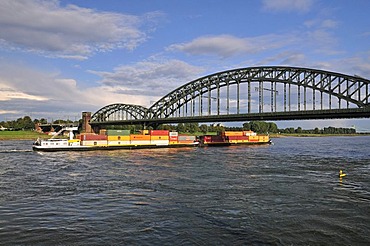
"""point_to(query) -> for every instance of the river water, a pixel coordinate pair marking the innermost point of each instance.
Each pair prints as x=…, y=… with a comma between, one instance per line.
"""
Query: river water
x=288, y=193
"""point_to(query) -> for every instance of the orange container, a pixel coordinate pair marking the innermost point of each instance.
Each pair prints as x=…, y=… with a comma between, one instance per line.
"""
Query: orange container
x=139, y=137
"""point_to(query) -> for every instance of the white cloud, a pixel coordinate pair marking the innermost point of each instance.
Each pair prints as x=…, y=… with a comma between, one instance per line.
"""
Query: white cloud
x=46, y=94
x=287, y=5
x=9, y=112
x=226, y=45
x=47, y=28
x=7, y=93
x=321, y=24
x=149, y=78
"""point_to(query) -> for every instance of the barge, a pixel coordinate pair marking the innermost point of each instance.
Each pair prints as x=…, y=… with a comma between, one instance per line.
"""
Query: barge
x=228, y=138
x=123, y=139
x=115, y=139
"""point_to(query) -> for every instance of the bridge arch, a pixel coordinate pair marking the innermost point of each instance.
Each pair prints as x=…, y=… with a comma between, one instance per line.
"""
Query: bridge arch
x=267, y=89
x=120, y=112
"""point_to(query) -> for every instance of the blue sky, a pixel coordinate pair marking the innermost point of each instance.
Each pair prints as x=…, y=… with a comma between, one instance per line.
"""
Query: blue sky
x=59, y=58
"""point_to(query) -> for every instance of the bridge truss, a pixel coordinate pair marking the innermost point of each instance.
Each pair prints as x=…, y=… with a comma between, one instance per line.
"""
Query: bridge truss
x=265, y=93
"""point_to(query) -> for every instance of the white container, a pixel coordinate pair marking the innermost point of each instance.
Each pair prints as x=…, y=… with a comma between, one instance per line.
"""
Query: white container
x=140, y=142
x=117, y=143
x=159, y=142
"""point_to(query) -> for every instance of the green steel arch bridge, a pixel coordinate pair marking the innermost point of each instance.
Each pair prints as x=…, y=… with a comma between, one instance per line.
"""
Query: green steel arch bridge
x=253, y=93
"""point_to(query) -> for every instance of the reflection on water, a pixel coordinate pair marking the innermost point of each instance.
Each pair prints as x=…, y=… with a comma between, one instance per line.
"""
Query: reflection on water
x=286, y=193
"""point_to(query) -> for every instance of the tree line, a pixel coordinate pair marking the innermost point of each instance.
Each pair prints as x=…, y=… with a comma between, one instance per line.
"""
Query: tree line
x=26, y=123
x=260, y=127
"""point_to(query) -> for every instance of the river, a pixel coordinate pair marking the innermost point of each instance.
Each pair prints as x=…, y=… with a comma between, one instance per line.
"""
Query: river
x=288, y=193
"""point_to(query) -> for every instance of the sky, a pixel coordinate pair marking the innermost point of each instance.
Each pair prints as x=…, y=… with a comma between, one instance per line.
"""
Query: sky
x=59, y=58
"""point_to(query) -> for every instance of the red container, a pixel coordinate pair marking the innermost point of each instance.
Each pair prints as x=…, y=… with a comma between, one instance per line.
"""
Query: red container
x=94, y=137
x=159, y=132
x=173, y=138
x=217, y=139
x=237, y=138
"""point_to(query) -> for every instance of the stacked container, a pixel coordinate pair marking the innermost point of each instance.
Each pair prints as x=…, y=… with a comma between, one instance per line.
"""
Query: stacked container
x=215, y=139
x=186, y=139
x=118, y=137
x=173, y=137
x=159, y=137
x=140, y=139
x=236, y=137
x=93, y=140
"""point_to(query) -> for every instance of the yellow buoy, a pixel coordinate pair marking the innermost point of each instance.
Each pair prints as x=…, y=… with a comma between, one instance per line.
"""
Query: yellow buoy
x=341, y=174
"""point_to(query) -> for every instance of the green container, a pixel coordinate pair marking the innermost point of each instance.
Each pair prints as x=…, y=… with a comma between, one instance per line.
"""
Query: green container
x=111, y=132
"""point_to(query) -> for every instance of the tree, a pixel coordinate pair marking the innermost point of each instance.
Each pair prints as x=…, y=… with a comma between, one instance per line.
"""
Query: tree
x=298, y=130
x=180, y=127
x=28, y=123
x=192, y=127
x=203, y=128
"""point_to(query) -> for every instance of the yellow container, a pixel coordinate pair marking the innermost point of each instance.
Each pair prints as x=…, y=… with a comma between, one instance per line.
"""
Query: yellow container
x=111, y=143
x=234, y=134
x=160, y=137
x=253, y=138
x=118, y=138
x=74, y=140
x=144, y=132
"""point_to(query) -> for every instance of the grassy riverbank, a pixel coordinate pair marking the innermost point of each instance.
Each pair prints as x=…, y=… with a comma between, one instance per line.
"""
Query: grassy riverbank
x=21, y=135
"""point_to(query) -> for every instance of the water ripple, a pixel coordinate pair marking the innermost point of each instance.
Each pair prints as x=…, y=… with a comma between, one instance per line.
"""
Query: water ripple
x=288, y=193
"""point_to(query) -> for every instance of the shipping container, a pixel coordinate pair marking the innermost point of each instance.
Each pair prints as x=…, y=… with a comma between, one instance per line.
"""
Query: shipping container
x=241, y=138
x=159, y=137
x=173, y=134
x=233, y=133
x=173, y=138
x=111, y=143
x=186, y=137
x=139, y=137
x=249, y=133
x=215, y=139
x=185, y=141
x=159, y=142
x=94, y=143
x=159, y=132
x=111, y=132
x=253, y=138
x=144, y=132
x=93, y=137
x=140, y=142
x=118, y=138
